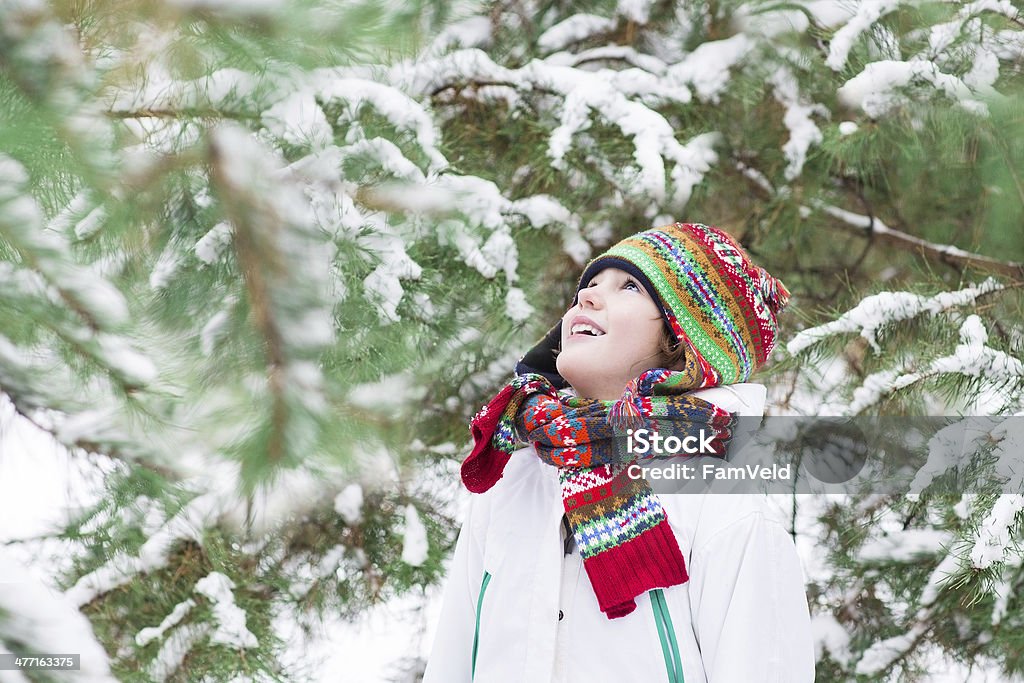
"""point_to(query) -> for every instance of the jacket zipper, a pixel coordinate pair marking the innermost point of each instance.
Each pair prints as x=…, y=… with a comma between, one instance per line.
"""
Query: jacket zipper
x=476, y=632
x=667, y=635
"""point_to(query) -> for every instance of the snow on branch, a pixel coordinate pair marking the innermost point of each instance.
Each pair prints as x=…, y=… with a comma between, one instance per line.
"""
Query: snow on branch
x=605, y=92
x=231, y=629
x=383, y=286
x=575, y=29
x=469, y=32
x=99, y=302
x=49, y=397
x=286, y=261
x=885, y=308
x=180, y=611
x=225, y=93
x=874, y=228
x=872, y=89
x=637, y=11
x=90, y=298
x=43, y=57
x=483, y=240
x=298, y=120
x=995, y=540
x=607, y=53
x=189, y=524
x=653, y=137
x=971, y=358
x=950, y=447
x=943, y=252
x=706, y=69
x=803, y=132
x=882, y=655
x=173, y=651
x=868, y=12
x=907, y=545
x=399, y=109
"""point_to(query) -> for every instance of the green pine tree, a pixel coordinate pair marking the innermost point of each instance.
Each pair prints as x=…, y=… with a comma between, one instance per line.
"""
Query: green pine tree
x=270, y=258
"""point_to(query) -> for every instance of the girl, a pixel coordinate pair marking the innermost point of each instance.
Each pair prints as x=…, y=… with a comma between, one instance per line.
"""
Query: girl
x=665, y=328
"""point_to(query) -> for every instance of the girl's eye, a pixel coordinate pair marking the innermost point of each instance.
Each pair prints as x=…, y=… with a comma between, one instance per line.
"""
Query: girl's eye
x=631, y=284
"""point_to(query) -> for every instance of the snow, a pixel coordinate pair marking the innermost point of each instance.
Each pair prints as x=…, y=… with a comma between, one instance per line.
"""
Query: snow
x=398, y=108
x=91, y=224
x=147, y=635
x=905, y=545
x=134, y=368
x=638, y=11
x=21, y=220
x=122, y=568
x=298, y=120
x=231, y=629
x=516, y=306
x=707, y=67
x=605, y=93
x=621, y=53
x=848, y=128
x=868, y=12
x=830, y=636
x=542, y=210
x=769, y=24
x=224, y=89
x=96, y=296
x=874, y=312
x=942, y=573
x=349, y=504
x=212, y=331
x=388, y=155
x=165, y=268
x=384, y=289
x=97, y=424
x=880, y=655
x=211, y=246
x=653, y=137
x=469, y=32
x=872, y=89
x=803, y=132
x=174, y=650
x=949, y=448
x=994, y=539
x=415, y=545
x=574, y=29
x=973, y=358
x=70, y=215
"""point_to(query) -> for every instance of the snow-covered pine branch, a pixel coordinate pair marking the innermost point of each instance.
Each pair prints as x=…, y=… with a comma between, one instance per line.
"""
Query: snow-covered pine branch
x=877, y=311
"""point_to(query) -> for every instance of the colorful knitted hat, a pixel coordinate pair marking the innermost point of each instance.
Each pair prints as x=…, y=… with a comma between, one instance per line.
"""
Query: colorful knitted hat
x=713, y=298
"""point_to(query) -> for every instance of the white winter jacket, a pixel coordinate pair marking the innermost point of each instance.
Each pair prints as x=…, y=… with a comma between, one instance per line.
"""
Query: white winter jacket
x=516, y=608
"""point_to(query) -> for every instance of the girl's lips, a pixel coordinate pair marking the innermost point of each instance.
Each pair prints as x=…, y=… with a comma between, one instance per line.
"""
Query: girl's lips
x=583, y=320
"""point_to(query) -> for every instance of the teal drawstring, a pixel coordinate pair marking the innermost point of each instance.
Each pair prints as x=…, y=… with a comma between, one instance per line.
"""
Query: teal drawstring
x=667, y=635
x=476, y=633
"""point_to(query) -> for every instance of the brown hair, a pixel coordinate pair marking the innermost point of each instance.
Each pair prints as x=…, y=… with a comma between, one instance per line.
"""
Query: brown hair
x=672, y=350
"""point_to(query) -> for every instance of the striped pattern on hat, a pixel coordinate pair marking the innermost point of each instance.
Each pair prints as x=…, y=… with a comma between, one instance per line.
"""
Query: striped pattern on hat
x=714, y=299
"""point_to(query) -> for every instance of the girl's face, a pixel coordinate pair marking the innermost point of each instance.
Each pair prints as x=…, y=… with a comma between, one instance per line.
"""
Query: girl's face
x=610, y=336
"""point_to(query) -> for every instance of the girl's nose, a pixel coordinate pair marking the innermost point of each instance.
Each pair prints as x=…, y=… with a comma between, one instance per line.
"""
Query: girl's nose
x=590, y=297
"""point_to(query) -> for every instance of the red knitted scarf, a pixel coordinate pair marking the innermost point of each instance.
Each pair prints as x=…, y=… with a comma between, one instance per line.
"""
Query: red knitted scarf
x=619, y=525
